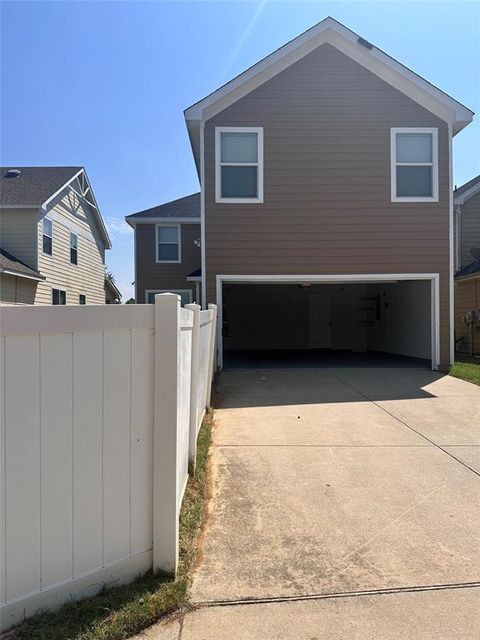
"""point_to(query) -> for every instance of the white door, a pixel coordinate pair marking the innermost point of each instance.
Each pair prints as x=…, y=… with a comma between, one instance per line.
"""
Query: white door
x=319, y=320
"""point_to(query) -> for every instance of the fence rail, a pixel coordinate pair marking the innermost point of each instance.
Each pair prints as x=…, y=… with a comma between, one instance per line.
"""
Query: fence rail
x=101, y=408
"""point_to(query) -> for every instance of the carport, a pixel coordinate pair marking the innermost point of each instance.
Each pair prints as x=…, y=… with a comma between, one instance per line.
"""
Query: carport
x=328, y=320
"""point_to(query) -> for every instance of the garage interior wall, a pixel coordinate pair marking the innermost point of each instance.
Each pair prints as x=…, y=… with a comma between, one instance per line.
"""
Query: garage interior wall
x=393, y=318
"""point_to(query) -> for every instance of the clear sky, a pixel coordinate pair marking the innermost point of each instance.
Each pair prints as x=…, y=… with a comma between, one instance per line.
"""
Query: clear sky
x=104, y=84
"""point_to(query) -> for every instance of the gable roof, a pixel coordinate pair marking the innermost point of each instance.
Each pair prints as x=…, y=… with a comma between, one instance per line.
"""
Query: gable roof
x=37, y=187
x=15, y=267
x=471, y=269
x=186, y=208
x=34, y=185
x=336, y=34
x=467, y=190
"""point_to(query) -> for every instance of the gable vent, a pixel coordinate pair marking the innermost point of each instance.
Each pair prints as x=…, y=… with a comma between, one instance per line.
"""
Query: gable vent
x=365, y=43
x=13, y=173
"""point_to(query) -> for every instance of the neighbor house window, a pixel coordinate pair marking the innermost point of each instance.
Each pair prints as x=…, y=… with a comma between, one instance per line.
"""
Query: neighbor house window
x=59, y=296
x=82, y=299
x=47, y=236
x=73, y=249
x=185, y=295
x=414, y=165
x=168, y=243
x=239, y=164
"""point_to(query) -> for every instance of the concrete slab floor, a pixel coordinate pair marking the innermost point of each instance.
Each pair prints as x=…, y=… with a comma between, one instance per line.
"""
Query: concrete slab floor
x=345, y=498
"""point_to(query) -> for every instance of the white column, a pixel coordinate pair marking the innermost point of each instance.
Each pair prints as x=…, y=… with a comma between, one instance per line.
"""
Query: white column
x=211, y=354
x=165, y=434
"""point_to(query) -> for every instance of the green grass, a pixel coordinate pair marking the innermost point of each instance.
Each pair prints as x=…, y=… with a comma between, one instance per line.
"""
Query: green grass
x=119, y=612
x=469, y=371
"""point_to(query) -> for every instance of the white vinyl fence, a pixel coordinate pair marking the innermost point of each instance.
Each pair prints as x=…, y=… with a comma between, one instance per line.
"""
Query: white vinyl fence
x=100, y=412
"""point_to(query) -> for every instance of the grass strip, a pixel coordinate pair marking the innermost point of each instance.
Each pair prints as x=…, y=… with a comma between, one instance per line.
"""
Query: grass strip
x=469, y=371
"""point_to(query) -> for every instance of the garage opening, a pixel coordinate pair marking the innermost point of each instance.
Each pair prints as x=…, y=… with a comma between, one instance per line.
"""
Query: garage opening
x=312, y=324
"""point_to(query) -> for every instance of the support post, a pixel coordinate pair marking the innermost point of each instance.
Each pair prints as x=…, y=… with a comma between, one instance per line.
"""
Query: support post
x=194, y=368
x=211, y=354
x=165, y=434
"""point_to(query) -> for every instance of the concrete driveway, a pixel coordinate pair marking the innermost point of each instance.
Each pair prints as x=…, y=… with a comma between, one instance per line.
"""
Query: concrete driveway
x=345, y=504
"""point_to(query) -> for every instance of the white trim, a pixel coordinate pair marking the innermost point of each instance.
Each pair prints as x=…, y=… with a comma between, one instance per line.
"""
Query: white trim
x=179, y=241
x=160, y=219
x=336, y=34
x=219, y=164
x=466, y=195
x=203, y=248
x=19, y=274
x=174, y=291
x=336, y=279
x=59, y=191
x=433, y=131
x=451, y=248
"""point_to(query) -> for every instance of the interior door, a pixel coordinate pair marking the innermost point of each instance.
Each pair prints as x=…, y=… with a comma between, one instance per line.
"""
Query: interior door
x=319, y=321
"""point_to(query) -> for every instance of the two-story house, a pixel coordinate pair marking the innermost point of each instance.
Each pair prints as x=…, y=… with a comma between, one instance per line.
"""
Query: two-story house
x=467, y=262
x=326, y=209
x=52, y=237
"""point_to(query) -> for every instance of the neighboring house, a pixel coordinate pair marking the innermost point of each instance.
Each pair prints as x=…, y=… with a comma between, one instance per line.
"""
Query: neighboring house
x=52, y=237
x=167, y=250
x=467, y=278
x=112, y=293
x=325, y=208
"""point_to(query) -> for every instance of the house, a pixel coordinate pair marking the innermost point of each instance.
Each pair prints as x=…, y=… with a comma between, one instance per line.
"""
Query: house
x=52, y=237
x=112, y=293
x=326, y=210
x=167, y=250
x=466, y=201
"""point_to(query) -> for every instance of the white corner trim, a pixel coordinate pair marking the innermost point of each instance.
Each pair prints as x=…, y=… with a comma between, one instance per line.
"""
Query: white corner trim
x=203, y=248
x=177, y=226
x=219, y=164
x=336, y=279
x=393, y=164
x=451, y=248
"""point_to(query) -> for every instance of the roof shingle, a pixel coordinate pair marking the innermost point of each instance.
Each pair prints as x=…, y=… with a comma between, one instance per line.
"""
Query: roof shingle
x=34, y=185
x=10, y=263
x=186, y=207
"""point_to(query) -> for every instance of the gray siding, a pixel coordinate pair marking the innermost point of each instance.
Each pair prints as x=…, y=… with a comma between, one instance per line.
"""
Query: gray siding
x=151, y=275
x=469, y=228
x=327, y=206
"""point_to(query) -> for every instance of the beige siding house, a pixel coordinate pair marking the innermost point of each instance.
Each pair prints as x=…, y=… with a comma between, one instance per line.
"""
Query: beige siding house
x=325, y=207
x=51, y=223
x=467, y=277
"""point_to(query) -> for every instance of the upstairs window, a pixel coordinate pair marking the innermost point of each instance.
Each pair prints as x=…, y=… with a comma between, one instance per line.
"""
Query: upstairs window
x=239, y=164
x=168, y=243
x=414, y=165
x=59, y=296
x=47, y=232
x=73, y=249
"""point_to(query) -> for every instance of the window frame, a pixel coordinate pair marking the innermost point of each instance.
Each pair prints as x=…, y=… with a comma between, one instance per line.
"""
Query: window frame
x=176, y=291
x=394, y=164
x=45, y=235
x=166, y=224
x=219, y=164
x=60, y=291
x=74, y=248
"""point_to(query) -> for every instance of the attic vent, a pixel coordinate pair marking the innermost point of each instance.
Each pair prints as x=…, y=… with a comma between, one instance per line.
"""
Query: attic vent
x=13, y=173
x=365, y=43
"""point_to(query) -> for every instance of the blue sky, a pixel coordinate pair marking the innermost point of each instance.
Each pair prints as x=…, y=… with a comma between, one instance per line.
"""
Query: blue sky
x=104, y=84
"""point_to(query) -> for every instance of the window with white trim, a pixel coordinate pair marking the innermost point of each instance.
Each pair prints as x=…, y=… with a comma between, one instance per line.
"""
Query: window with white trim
x=239, y=164
x=414, y=164
x=47, y=236
x=73, y=248
x=185, y=295
x=59, y=296
x=168, y=243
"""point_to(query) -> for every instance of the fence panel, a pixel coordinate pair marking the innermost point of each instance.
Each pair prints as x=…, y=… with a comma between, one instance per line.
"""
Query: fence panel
x=96, y=430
